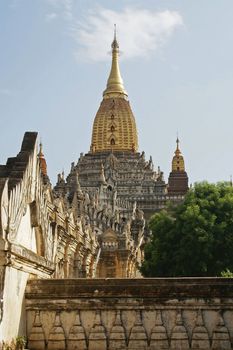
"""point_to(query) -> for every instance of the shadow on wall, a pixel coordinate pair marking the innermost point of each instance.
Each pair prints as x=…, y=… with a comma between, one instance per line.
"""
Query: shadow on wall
x=22, y=323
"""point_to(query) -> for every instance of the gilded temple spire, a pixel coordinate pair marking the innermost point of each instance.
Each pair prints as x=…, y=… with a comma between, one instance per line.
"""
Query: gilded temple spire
x=178, y=178
x=178, y=159
x=114, y=128
x=115, y=87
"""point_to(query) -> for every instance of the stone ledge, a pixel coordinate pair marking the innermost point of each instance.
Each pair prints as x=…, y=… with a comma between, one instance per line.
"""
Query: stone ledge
x=27, y=260
x=156, y=288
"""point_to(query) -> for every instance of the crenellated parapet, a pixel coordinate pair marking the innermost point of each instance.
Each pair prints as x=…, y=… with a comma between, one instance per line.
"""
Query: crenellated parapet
x=145, y=314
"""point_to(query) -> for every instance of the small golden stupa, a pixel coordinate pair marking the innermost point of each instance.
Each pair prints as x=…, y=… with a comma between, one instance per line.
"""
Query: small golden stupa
x=178, y=159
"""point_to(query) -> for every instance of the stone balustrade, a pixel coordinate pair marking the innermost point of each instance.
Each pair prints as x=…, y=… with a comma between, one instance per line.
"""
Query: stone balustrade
x=109, y=314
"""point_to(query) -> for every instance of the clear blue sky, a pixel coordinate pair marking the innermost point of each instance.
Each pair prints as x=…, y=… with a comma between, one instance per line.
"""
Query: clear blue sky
x=176, y=65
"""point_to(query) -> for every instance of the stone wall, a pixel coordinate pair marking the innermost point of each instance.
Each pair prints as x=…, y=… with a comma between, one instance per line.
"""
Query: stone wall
x=39, y=236
x=99, y=314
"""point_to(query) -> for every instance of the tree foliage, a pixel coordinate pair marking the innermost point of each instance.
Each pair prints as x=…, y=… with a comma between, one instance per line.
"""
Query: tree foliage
x=196, y=237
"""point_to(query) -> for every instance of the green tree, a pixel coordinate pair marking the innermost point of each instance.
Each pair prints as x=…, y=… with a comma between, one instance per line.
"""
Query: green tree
x=196, y=237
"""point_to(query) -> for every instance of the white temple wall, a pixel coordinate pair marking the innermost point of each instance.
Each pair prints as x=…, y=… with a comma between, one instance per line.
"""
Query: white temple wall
x=18, y=250
x=38, y=236
x=26, y=234
x=14, y=318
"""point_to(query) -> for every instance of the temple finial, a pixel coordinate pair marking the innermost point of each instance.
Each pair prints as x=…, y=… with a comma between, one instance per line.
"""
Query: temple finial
x=115, y=45
x=40, y=154
x=42, y=160
x=115, y=87
x=177, y=143
x=115, y=31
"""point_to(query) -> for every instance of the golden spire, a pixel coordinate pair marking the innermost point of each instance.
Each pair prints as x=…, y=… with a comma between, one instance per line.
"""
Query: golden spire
x=115, y=87
x=114, y=127
x=178, y=159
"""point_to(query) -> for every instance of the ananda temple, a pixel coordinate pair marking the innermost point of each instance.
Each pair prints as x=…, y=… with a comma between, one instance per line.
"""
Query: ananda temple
x=70, y=254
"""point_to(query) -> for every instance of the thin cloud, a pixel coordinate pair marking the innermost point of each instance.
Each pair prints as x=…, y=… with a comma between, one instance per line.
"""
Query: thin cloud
x=50, y=16
x=64, y=7
x=141, y=32
x=68, y=5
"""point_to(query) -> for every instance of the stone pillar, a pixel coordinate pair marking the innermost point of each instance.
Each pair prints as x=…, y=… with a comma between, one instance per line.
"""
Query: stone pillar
x=159, y=339
x=36, y=339
x=77, y=336
x=117, y=339
x=200, y=337
x=138, y=337
x=179, y=336
x=97, y=336
x=56, y=339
